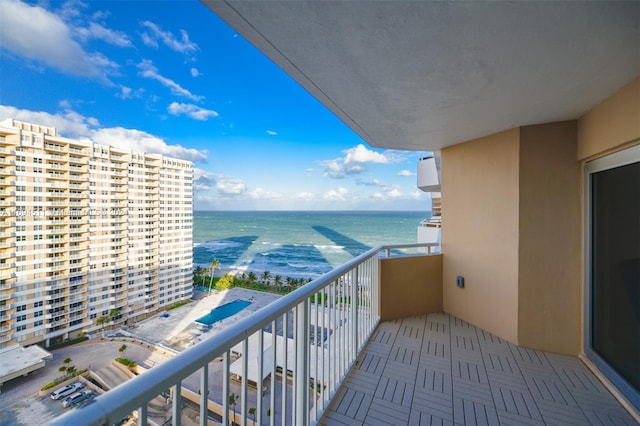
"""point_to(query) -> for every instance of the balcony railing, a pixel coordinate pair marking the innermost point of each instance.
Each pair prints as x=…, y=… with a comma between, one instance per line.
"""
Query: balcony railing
x=289, y=358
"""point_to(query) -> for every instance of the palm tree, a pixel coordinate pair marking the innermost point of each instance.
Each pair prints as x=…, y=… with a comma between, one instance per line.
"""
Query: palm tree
x=205, y=272
x=233, y=400
x=66, y=368
x=214, y=264
x=122, y=350
x=252, y=277
x=197, y=273
x=252, y=413
x=113, y=314
x=276, y=281
x=265, y=276
x=102, y=321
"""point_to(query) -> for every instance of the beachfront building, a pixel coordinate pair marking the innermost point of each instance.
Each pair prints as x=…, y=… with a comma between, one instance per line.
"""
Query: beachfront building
x=87, y=231
x=530, y=314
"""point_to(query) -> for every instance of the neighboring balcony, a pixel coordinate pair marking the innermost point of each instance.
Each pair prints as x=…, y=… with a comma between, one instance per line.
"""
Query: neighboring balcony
x=366, y=343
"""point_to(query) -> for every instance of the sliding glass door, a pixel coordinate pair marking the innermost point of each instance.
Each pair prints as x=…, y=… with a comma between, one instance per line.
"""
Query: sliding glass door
x=612, y=308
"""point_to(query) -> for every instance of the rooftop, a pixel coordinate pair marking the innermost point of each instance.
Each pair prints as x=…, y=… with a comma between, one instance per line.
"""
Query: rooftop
x=16, y=361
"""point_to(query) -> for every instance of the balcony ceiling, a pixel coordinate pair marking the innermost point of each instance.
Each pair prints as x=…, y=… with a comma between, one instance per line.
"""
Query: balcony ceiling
x=422, y=75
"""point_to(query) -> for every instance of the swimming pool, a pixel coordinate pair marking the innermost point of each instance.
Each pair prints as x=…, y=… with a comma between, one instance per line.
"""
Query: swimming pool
x=223, y=311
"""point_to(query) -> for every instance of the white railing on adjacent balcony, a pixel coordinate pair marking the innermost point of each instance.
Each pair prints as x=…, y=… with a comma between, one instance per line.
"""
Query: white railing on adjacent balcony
x=289, y=358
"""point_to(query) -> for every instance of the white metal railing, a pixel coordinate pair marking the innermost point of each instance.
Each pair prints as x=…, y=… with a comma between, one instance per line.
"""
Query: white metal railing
x=281, y=365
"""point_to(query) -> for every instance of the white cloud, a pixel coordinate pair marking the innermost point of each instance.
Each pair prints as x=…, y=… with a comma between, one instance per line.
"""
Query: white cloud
x=71, y=124
x=39, y=35
x=148, y=40
x=195, y=72
x=230, y=186
x=100, y=32
x=202, y=179
x=389, y=192
x=354, y=162
x=306, y=196
x=360, y=154
x=191, y=110
x=337, y=168
x=406, y=173
x=372, y=182
x=336, y=194
x=68, y=123
x=184, y=45
x=148, y=70
x=394, y=193
x=272, y=133
x=139, y=140
x=262, y=194
x=129, y=93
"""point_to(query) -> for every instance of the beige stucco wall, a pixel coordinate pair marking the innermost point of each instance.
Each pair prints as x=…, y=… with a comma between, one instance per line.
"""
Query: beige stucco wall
x=549, y=296
x=612, y=125
x=511, y=228
x=410, y=286
x=480, y=185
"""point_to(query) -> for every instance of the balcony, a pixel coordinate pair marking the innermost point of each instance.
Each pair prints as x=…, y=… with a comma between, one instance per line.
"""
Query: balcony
x=366, y=343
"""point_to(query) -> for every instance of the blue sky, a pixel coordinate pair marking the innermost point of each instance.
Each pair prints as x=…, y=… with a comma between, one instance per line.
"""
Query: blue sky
x=170, y=77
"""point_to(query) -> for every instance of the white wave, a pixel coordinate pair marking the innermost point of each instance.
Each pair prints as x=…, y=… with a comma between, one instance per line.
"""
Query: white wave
x=219, y=245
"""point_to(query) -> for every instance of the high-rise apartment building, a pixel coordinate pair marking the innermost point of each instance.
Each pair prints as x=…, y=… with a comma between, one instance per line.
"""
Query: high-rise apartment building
x=87, y=231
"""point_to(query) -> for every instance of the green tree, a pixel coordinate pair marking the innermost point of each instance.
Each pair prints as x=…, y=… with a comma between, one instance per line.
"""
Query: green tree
x=277, y=280
x=225, y=282
x=252, y=277
x=197, y=274
x=252, y=413
x=66, y=366
x=214, y=264
x=265, y=276
x=123, y=350
x=102, y=321
x=114, y=314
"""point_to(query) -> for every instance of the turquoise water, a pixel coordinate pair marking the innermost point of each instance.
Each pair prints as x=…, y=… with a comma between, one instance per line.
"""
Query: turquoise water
x=296, y=244
x=223, y=311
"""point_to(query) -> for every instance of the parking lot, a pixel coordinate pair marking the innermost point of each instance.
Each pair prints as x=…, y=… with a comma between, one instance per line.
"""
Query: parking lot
x=22, y=405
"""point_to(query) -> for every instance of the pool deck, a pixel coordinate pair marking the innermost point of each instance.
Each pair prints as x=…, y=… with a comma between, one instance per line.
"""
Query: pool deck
x=179, y=331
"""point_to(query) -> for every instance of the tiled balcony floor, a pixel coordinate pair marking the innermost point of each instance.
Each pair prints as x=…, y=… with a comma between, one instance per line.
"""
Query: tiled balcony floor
x=440, y=370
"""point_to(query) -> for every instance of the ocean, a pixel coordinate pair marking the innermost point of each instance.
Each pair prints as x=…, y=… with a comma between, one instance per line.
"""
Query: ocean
x=296, y=244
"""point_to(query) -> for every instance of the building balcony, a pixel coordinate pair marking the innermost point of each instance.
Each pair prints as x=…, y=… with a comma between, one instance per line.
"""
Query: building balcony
x=367, y=343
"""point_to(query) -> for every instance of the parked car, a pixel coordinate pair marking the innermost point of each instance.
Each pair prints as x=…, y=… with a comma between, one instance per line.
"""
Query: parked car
x=77, y=398
x=67, y=390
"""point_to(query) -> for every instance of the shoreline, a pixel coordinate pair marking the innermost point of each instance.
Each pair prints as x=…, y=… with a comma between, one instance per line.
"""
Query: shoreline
x=237, y=272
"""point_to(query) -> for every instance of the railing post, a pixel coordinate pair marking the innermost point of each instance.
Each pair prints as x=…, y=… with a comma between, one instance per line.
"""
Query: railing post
x=245, y=375
x=260, y=374
x=302, y=367
x=142, y=415
x=204, y=395
x=225, y=389
x=176, y=406
x=354, y=312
